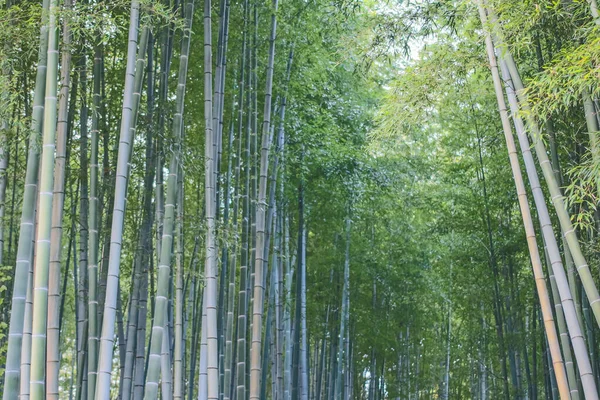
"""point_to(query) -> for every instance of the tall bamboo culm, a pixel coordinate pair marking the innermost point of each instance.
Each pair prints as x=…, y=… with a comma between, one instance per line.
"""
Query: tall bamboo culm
x=556, y=195
x=122, y=173
x=558, y=366
x=164, y=267
x=53, y=347
x=25, y=244
x=209, y=359
x=178, y=373
x=239, y=379
x=37, y=387
x=261, y=208
x=568, y=306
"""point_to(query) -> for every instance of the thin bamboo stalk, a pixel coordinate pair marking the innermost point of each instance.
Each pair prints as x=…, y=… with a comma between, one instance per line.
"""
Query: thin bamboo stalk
x=239, y=382
x=54, y=297
x=261, y=209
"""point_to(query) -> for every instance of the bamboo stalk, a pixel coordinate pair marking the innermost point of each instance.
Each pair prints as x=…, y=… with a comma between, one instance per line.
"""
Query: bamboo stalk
x=42, y=246
x=108, y=324
x=54, y=296
x=550, y=329
x=577, y=340
x=164, y=269
x=24, y=257
x=261, y=209
x=209, y=346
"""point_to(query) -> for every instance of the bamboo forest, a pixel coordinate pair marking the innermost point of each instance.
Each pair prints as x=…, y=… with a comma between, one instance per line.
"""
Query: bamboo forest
x=299, y=199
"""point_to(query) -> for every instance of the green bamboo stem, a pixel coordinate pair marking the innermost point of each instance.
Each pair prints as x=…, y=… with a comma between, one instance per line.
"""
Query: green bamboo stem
x=302, y=334
x=242, y=320
x=287, y=313
x=25, y=243
x=558, y=199
x=139, y=375
x=218, y=110
x=136, y=314
x=180, y=318
x=25, y=370
x=166, y=382
x=568, y=305
x=231, y=261
x=103, y=384
x=261, y=209
x=83, y=217
x=164, y=267
x=54, y=296
x=562, y=330
x=203, y=370
x=278, y=265
x=344, y=320
x=42, y=246
x=130, y=341
x=209, y=347
x=178, y=373
x=542, y=291
x=94, y=227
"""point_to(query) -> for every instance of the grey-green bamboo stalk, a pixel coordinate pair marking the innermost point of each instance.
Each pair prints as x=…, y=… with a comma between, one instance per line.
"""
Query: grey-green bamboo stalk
x=555, y=193
x=26, y=236
x=542, y=291
x=209, y=347
x=164, y=267
x=259, y=289
x=579, y=346
x=42, y=246
x=122, y=173
x=53, y=348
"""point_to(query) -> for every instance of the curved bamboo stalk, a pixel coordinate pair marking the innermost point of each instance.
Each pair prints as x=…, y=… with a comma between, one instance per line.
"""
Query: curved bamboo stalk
x=556, y=195
x=26, y=236
x=577, y=340
x=546, y=307
x=125, y=143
